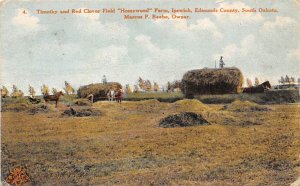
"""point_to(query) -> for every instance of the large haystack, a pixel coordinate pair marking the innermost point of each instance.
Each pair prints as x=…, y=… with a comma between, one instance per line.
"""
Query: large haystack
x=98, y=90
x=212, y=81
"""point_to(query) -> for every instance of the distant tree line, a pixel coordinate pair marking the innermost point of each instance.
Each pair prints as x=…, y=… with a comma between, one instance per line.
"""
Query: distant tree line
x=250, y=84
x=142, y=85
x=145, y=85
x=15, y=92
x=283, y=80
x=287, y=80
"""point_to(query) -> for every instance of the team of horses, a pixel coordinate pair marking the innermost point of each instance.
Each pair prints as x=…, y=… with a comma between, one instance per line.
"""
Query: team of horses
x=259, y=88
x=117, y=95
x=113, y=95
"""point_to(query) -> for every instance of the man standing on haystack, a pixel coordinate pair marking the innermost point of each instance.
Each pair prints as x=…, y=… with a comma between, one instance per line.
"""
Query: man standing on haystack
x=104, y=80
x=221, y=64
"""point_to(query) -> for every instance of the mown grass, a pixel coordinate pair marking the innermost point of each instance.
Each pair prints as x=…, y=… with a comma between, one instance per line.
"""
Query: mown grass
x=125, y=146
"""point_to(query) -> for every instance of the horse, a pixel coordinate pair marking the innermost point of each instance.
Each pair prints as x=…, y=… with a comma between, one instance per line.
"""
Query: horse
x=111, y=95
x=266, y=84
x=53, y=97
x=259, y=88
x=119, y=96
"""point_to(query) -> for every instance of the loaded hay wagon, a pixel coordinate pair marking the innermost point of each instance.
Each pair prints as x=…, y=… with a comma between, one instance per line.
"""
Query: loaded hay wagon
x=98, y=90
x=212, y=81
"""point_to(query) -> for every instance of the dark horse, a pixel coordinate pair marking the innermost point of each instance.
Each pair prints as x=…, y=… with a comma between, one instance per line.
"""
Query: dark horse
x=53, y=97
x=259, y=88
x=119, y=96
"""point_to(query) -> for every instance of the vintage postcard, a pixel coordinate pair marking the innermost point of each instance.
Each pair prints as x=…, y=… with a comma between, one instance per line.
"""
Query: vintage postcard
x=150, y=92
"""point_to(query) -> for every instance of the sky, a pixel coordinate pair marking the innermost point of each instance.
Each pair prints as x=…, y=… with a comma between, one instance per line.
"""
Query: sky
x=41, y=49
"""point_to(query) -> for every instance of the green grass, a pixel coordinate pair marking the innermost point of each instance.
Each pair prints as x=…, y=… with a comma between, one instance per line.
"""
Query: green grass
x=273, y=97
x=69, y=99
x=161, y=96
x=228, y=98
x=282, y=96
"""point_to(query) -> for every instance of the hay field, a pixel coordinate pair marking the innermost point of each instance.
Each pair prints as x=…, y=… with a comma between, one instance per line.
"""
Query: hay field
x=125, y=146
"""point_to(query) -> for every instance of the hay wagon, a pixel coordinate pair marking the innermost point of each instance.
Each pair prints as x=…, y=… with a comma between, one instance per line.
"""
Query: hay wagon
x=212, y=81
x=98, y=90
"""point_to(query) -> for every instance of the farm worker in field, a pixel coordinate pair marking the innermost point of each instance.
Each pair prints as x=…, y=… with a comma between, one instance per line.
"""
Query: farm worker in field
x=119, y=95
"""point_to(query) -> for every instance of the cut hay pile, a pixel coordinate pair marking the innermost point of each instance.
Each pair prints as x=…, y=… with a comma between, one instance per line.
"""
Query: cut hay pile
x=42, y=108
x=184, y=119
x=191, y=104
x=80, y=112
x=26, y=106
x=83, y=102
x=245, y=106
x=98, y=90
x=15, y=107
x=212, y=81
x=149, y=102
x=150, y=106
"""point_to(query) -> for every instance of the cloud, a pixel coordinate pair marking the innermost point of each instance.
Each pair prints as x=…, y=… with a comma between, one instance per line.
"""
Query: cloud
x=157, y=63
x=145, y=42
x=201, y=25
x=231, y=50
x=26, y=21
x=152, y=62
x=3, y=73
x=89, y=46
x=247, y=42
x=279, y=36
x=237, y=17
x=255, y=60
x=207, y=25
x=112, y=55
x=294, y=54
x=93, y=25
x=228, y=52
x=279, y=22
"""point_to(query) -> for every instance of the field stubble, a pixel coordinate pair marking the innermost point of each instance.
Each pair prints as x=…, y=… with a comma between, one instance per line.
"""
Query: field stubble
x=125, y=146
